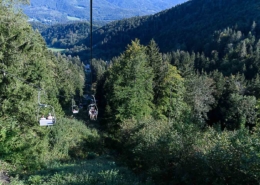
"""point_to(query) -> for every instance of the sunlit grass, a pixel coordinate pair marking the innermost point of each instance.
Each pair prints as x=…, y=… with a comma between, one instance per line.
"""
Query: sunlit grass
x=101, y=170
x=56, y=49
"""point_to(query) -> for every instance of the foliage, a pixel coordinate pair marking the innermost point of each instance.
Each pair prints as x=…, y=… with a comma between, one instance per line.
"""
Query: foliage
x=34, y=148
x=192, y=29
x=170, y=100
x=102, y=170
x=176, y=118
x=130, y=84
x=199, y=96
x=64, y=35
x=99, y=68
x=179, y=150
x=27, y=67
x=187, y=155
x=71, y=138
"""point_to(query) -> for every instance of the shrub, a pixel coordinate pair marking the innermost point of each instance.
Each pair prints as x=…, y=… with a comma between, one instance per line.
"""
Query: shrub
x=183, y=154
x=72, y=138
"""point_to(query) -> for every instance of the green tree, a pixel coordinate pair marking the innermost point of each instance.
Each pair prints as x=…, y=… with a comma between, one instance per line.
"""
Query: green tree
x=129, y=84
x=199, y=96
x=156, y=62
x=170, y=101
x=27, y=65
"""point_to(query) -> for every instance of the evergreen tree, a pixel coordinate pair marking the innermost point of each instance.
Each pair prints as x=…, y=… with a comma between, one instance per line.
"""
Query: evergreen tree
x=129, y=84
x=170, y=102
x=26, y=67
x=156, y=62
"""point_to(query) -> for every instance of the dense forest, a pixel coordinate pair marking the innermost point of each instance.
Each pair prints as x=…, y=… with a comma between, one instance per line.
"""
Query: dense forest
x=179, y=107
x=28, y=68
x=189, y=26
x=64, y=35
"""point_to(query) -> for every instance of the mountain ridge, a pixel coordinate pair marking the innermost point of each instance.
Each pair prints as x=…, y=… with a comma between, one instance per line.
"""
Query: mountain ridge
x=186, y=26
x=108, y=10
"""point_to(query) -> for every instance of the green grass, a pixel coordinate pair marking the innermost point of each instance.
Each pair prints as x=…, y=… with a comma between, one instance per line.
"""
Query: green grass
x=98, y=171
x=56, y=49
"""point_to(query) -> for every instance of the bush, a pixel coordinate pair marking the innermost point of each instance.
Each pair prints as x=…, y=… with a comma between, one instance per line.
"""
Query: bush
x=183, y=154
x=34, y=147
x=72, y=138
x=89, y=172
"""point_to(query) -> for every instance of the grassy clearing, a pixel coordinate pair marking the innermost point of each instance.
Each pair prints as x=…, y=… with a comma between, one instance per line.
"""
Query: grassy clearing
x=101, y=170
x=56, y=49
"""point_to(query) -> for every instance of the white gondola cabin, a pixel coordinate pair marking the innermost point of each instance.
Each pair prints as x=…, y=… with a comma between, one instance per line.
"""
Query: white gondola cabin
x=75, y=111
x=50, y=119
x=93, y=109
x=46, y=122
x=75, y=108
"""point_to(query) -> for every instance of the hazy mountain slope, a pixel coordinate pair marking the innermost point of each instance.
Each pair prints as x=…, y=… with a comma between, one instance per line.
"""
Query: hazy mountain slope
x=187, y=26
x=146, y=5
x=66, y=35
x=64, y=10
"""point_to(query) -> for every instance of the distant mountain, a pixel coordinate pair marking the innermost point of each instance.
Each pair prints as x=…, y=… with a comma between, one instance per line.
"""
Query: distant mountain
x=191, y=26
x=103, y=10
x=188, y=26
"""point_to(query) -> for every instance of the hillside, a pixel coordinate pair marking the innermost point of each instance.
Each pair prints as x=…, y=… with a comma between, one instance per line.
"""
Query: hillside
x=184, y=117
x=103, y=10
x=187, y=26
x=64, y=35
x=34, y=83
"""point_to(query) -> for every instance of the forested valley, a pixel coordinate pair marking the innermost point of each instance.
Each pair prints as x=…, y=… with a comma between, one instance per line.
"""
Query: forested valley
x=177, y=92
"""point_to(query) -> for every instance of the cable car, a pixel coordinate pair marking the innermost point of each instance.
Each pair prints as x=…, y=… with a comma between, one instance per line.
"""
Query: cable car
x=50, y=119
x=75, y=108
x=93, y=109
